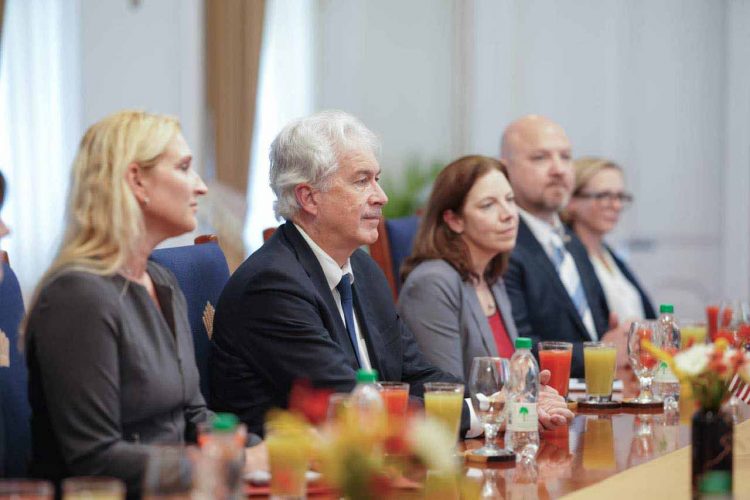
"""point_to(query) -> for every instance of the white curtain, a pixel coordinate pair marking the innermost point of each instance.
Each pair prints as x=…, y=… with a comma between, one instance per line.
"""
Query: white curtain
x=285, y=92
x=39, y=127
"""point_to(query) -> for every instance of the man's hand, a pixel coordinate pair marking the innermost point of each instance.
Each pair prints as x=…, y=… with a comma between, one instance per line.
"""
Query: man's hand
x=256, y=457
x=552, y=409
x=618, y=335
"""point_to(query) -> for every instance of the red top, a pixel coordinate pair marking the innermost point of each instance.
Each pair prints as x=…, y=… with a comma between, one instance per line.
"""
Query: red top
x=502, y=341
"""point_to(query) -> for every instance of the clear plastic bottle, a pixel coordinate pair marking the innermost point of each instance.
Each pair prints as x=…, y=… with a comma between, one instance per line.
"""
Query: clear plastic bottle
x=666, y=385
x=224, y=451
x=366, y=402
x=523, y=393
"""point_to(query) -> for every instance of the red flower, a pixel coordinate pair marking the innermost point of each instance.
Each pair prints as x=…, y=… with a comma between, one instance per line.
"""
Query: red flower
x=308, y=401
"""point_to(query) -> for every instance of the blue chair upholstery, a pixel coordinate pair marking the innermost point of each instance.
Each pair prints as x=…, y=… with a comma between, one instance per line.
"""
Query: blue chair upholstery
x=201, y=271
x=401, y=233
x=15, y=412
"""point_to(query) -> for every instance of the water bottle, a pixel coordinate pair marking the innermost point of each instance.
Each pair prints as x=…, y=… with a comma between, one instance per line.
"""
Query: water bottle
x=366, y=402
x=666, y=385
x=223, y=449
x=523, y=393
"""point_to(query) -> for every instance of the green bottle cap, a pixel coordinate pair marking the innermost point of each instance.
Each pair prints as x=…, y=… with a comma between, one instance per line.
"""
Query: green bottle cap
x=523, y=343
x=666, y=308
x=716, y=481
x=367, y=376
x=225, y=422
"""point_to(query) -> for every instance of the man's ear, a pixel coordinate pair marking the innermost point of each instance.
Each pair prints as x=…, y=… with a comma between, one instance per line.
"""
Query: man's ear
x=455, y=222
x=134, y=178
x=306, y=198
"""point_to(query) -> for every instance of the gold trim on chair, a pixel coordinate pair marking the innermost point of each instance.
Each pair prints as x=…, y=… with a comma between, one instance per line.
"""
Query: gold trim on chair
x=208, y=319
x=4, y=350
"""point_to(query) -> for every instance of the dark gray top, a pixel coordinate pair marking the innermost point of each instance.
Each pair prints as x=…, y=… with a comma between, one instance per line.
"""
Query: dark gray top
x=110, y=375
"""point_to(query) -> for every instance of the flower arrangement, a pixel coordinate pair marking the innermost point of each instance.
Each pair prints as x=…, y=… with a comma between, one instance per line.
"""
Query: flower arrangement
x=707, y=369
x=368, y=461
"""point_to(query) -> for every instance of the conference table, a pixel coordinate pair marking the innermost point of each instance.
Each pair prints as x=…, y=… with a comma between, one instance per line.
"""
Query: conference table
x=610, y=454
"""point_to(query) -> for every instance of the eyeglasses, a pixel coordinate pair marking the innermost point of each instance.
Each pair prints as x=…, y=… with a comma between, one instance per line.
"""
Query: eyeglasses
x=602, y=196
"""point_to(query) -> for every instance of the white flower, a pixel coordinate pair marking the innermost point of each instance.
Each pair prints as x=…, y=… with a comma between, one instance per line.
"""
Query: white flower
x=694, y=361
x=433, y=444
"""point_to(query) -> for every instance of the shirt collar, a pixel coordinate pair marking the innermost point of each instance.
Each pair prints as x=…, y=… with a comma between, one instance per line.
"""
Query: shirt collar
x=547, y=235
x=331, y=269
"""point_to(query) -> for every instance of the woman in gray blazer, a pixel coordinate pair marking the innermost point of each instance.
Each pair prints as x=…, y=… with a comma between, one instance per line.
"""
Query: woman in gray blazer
x=453, y=297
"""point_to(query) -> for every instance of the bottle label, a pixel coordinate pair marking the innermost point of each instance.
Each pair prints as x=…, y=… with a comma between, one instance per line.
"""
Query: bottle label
x=664, y=374
x=523, y=417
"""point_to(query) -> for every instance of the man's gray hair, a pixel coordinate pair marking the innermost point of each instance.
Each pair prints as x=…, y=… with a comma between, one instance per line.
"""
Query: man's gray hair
x=308, y=151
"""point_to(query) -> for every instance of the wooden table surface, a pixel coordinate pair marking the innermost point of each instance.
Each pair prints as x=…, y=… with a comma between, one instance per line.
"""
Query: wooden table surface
x=597, y=446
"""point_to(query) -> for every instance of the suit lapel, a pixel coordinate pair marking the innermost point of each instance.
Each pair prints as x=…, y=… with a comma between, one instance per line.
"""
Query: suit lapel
x=312, y=267
x=535, y=253
x=479, y=319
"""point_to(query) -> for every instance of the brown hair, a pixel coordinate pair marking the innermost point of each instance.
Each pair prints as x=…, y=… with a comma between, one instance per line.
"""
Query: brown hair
x=435, y=240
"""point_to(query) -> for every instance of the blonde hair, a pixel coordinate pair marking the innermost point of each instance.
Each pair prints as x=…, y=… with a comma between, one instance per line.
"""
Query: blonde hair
x=104, y=222
x=585, y=169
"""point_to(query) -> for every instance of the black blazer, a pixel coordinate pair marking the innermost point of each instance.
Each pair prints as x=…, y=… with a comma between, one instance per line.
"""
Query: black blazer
x=276, y=322
x=648, y=308
x=542, y=308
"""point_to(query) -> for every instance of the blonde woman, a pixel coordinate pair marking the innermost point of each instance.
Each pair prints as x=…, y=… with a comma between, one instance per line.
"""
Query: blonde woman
x=110, y=354
x=594, y=210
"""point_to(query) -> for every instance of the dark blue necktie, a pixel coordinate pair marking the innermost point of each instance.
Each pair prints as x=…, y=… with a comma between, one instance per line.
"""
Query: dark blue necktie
x=345, y=290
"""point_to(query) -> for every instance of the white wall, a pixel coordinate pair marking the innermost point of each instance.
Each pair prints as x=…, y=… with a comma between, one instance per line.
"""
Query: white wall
x=658, y=86
x=148, y=57
x=390, y=63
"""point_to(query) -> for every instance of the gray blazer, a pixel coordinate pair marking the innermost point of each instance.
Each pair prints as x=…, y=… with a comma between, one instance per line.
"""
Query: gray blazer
x=446, y=317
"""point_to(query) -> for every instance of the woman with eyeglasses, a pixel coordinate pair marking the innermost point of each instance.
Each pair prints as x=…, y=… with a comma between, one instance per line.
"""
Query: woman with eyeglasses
x=594, y=210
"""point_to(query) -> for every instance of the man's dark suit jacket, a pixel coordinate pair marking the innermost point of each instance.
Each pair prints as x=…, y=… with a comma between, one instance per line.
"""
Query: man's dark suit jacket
x=277, y=322
x=542, y=308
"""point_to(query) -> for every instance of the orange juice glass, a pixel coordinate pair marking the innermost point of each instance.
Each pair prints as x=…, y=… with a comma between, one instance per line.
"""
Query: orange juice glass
x=443, y=401
x=556, y=357
x=599, y=364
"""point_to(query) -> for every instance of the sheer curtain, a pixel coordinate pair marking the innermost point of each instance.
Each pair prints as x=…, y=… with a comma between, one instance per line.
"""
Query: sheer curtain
x=39, y=127
x=285, y=92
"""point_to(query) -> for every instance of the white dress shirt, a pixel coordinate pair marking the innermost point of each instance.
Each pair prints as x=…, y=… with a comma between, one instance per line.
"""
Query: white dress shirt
x=547, y=235
x=622, y=296
x=333, y=274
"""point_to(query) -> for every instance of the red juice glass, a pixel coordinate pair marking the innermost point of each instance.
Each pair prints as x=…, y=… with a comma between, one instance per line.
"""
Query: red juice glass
x=556, y=357
x=396, y=401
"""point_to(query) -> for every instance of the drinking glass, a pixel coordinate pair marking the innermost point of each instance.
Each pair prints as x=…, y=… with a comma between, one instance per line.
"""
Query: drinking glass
x=288, y=460
x=599, y=364
x=443, y=401
x=486, y=381
x=643, y=362
x=556, y=357
x=338, y=404
x=25, y=489
x=93, y=488
x=693, y=332
x=396, y=401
